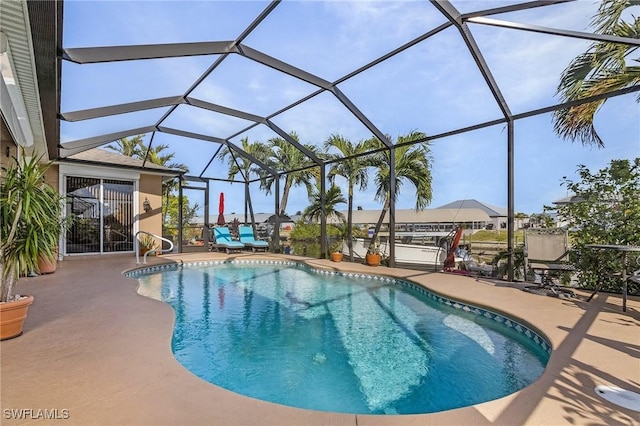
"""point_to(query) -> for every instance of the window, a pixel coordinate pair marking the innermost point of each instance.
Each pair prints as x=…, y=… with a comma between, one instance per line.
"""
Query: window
x=103, y=211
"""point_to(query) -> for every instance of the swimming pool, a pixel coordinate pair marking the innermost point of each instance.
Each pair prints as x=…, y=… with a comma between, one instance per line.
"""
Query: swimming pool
x=352, y=343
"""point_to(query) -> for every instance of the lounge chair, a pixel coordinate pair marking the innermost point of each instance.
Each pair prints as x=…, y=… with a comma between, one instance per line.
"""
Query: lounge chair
x=547, y=251
x=248, y=239
x=223, y=241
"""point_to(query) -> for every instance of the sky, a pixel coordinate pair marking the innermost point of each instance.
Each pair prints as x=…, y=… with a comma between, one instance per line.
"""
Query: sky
x=433, y=87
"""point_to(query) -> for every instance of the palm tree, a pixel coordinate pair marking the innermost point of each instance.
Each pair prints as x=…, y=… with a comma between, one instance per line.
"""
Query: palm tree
x=133, y=147
x=413, y=164
x=353, y=169
x=601, y=69
x=284, y=157
x=155, y=156
x=332, y=198
x=244, y=166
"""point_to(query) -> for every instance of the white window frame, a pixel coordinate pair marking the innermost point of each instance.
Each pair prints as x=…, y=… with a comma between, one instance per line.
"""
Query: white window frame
x=98, y=172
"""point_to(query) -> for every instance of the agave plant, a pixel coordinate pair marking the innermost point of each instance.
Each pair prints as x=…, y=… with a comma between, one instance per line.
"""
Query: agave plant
x=30, y=221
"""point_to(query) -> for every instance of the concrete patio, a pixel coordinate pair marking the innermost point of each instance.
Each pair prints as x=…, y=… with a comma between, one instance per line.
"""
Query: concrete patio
x=94, y=352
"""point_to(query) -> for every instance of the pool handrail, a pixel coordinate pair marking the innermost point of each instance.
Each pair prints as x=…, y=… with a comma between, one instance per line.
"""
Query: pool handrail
x=137, y=246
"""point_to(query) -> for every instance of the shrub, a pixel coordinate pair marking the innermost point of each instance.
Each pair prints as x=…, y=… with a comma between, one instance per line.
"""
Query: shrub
x=606, y=211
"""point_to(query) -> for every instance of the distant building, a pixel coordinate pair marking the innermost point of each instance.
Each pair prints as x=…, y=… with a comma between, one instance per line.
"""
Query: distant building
x=472, y=214
x=560, y=221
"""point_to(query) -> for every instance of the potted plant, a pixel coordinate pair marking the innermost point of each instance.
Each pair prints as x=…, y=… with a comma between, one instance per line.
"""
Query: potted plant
x=336, y=251
x=30, y=228
x=500, y=264
x=46, y=264
x=147, y=243
x=373, y=256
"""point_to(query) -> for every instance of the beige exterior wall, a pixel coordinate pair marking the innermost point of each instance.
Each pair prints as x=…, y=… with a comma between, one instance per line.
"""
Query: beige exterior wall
x=6, y=141
x=151, y=189
x=52, y=176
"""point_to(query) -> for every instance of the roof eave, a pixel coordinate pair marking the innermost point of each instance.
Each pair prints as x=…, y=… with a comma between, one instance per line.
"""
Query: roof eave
x=172, y=173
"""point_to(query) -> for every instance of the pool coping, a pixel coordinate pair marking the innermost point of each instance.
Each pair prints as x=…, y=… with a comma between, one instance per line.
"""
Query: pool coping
x=109, y=361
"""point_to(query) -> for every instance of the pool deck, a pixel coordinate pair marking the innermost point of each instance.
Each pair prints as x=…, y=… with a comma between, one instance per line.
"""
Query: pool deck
x=98, y=353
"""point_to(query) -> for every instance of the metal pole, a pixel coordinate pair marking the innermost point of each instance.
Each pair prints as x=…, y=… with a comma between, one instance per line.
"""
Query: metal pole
x=180, y=215
x=392, y=208
x=206, y=204
x=510, y=198
x=323, y=213
x=246, y=204
x=276, y=231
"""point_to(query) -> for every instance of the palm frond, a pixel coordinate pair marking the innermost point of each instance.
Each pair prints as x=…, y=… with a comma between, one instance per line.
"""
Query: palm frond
x=604, y=67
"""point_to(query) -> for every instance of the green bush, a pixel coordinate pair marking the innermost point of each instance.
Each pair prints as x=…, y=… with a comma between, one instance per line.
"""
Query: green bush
x=606, y=211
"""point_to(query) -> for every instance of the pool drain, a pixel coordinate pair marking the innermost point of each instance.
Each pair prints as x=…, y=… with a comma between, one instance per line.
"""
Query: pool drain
x=622, y=397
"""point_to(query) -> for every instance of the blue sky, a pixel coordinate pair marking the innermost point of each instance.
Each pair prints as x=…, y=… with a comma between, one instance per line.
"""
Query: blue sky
x=433, y=87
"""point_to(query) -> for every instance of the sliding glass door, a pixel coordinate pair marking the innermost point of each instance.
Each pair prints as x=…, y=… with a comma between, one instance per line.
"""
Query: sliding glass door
x=103, y=212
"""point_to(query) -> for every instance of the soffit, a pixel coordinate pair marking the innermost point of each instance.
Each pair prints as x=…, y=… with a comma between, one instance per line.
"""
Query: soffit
x=14, y=23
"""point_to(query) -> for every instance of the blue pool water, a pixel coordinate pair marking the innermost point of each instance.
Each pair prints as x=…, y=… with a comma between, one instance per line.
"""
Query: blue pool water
x=355, y=344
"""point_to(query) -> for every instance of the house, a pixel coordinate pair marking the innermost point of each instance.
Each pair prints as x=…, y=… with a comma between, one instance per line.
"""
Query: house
x=111, y=196
x=472, y=214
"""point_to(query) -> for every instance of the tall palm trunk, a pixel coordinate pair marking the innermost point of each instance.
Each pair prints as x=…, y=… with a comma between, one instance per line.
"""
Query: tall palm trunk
x=350, y=222
x=251, y=215
x=383, y=213
x=9, y=273
x=9, y=279
x=285, y=196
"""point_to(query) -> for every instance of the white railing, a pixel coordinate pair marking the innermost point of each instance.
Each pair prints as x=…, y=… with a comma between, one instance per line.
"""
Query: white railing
x=137, y=246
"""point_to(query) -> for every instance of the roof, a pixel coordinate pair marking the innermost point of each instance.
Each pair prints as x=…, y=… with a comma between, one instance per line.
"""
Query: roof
x=101, y=156
x=567, y=200
x=490, y=210
x=369, y=217
x=439, y=215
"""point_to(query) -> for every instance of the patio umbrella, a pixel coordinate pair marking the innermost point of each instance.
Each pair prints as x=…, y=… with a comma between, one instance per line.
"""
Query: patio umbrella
x=221, y=220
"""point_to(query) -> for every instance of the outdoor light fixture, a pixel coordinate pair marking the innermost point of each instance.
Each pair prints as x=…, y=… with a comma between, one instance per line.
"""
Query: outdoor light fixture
x=146, y=205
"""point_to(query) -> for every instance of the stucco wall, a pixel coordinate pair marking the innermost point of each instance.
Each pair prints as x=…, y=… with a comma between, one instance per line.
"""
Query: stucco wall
x=51, y=176
x=151, y=189
x=6, y=141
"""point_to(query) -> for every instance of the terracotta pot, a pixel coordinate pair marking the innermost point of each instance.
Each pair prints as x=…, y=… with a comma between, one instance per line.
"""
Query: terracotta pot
x=336, y=257
x=12, y=316
x=47, y=266
x=372, y=259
